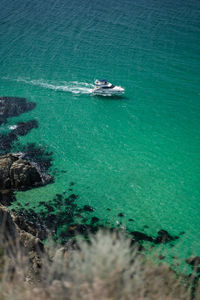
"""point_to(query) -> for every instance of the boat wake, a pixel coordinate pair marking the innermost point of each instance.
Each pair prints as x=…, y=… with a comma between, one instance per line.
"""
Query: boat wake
x=74, y=87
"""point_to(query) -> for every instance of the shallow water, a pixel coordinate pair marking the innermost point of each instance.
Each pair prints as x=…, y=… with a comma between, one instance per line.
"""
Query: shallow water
x=138, y=154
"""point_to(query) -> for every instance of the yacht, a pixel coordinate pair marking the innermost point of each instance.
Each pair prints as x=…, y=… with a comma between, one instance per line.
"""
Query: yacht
x=103, y=87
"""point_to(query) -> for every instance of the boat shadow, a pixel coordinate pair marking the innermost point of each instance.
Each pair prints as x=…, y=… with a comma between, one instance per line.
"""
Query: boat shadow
x=111, y=97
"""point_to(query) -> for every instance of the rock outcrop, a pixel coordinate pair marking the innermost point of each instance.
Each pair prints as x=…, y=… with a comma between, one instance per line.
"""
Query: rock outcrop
x=18, y=174
x=13, y=239
x=6, y=197
x=7, y=227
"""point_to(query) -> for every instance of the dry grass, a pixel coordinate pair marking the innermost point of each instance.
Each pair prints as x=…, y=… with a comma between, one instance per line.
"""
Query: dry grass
x=106, y=268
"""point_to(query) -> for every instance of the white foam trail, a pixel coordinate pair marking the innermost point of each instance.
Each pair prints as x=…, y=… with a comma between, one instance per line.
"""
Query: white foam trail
x=74, y=87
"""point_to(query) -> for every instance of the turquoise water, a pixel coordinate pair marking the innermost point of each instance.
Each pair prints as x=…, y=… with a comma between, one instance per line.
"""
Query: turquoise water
x=138, y=154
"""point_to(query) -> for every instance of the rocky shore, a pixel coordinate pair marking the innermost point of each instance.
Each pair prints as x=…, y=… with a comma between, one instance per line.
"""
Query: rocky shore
x=27, y=169
x=15, y=234
x=29, y=229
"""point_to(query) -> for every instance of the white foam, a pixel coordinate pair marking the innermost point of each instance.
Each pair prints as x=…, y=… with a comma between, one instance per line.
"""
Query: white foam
x=74, y=87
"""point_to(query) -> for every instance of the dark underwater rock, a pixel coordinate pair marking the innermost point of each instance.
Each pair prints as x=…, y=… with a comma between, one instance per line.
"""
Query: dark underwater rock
x=88, y=208
x=120, y=215
x=72, y=197
x=38, y=155
x=146, y=226
x=193, y=261
x=6, y=140
x=60, y=218
x=182, y=232
x=164, y=237
x=140, y=236
x=58, y=213
x=82, y=229
x=94, y=220
x=13, y=106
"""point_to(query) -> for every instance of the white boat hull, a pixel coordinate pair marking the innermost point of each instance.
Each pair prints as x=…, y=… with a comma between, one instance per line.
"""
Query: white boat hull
x=117, y=90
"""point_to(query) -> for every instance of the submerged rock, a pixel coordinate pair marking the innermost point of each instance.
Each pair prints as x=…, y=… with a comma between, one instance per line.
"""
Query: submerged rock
x=22, y=128
x=88, y=208
x=164, y=237
x=37, y=154
x=193, y=261
x=120, y=214
x=13, y=106
x=94, y=220
x=140, y=236
x=17, y=173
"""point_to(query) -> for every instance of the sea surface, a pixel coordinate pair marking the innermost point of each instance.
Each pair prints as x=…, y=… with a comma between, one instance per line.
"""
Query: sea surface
x=139, y=154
